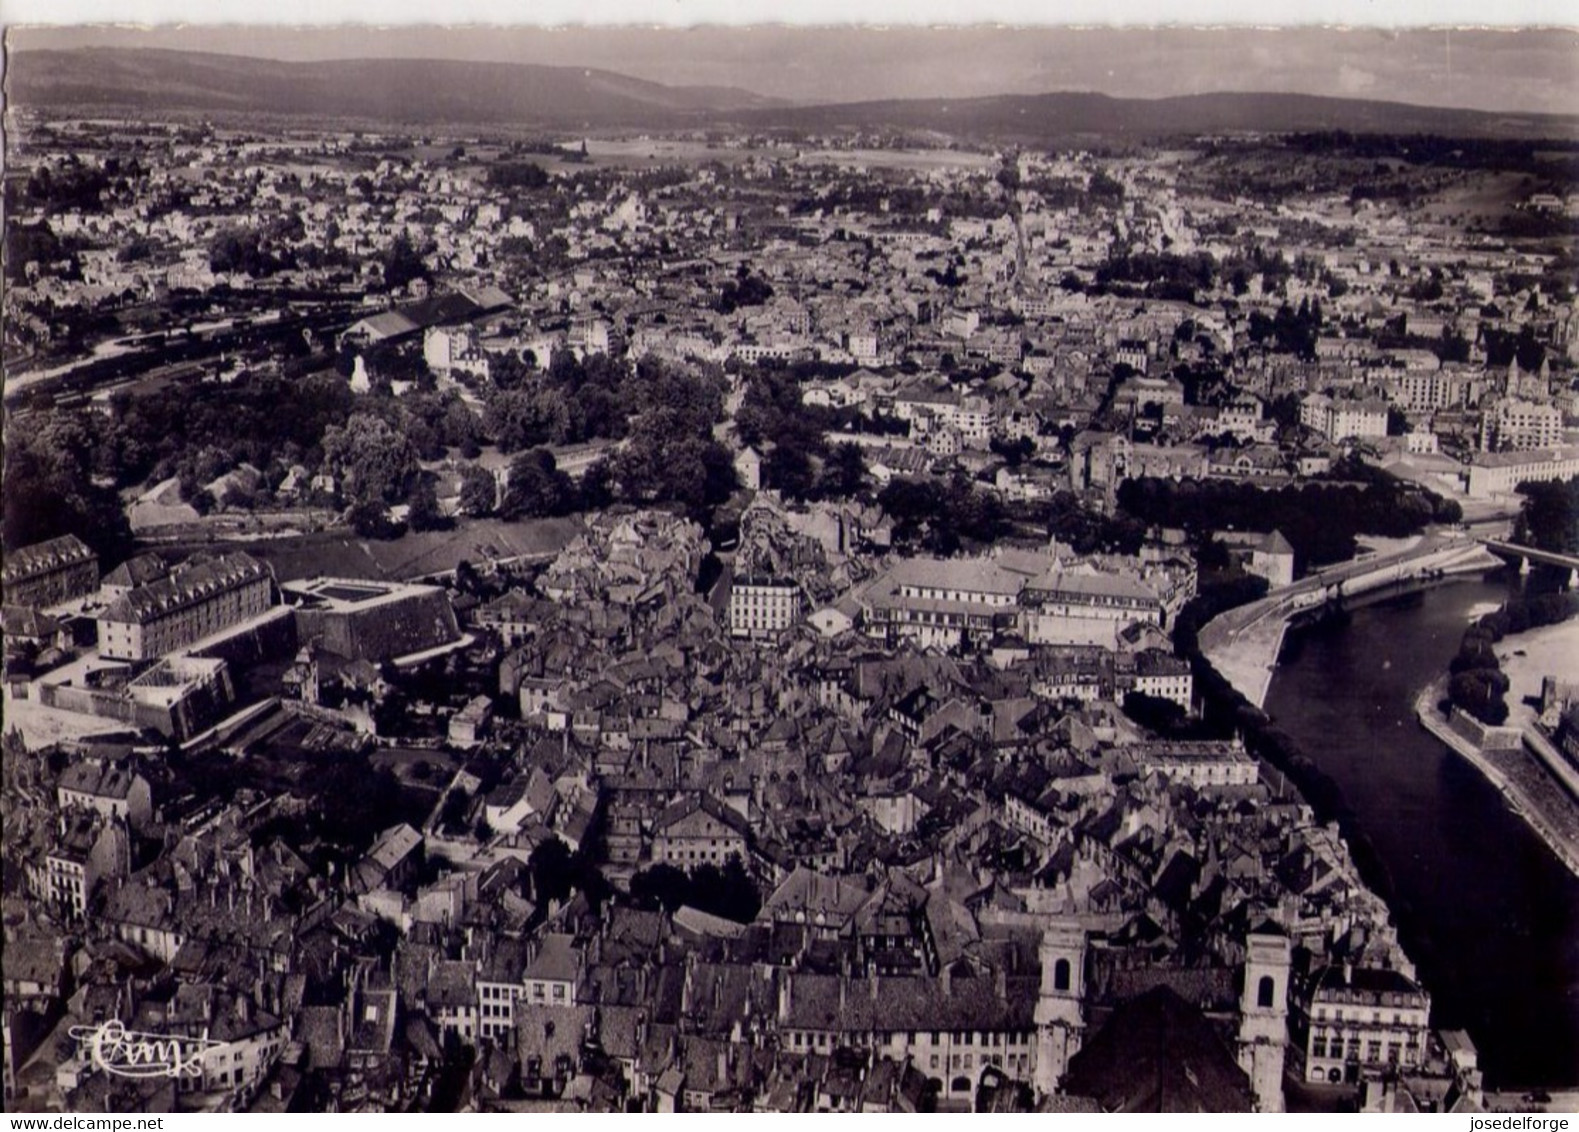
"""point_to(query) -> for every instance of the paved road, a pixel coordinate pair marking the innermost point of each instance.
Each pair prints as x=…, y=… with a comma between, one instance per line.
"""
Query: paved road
x=1243, y=643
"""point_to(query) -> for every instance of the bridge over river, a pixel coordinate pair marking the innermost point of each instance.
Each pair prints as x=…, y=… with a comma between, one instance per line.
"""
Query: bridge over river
x=1525, y=555
x=1243, y=644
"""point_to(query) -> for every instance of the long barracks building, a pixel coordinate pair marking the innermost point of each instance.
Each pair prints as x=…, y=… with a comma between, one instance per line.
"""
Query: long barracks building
x=157, y=619
x=48, y=573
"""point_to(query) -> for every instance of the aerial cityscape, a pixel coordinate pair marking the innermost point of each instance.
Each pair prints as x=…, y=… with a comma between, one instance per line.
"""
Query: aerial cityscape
x=672, y=572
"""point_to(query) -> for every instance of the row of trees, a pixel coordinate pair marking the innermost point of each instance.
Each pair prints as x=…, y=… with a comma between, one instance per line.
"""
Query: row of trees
x=799, y=460
x=1289, y=329
x=1321, y=520
x=1549, y=517
x=728, y=892
x=665, y=413
x=51, y=489
x=941, y=517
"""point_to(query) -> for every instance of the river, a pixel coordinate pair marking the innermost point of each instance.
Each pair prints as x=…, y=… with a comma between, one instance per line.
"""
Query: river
x=1490, y=917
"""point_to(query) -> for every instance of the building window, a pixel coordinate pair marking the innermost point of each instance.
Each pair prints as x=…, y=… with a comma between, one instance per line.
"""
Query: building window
x=1061, y=975
x=1264, y=991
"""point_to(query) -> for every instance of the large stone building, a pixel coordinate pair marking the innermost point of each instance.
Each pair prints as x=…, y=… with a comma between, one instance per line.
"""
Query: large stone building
x=196, y=602
x=951, y=1029
x=943, y=601
x=178, y=696
x=698, y=831
x=1499, y=473
x=1204, y=764
x=376, y=621
x=48, y=573
x=1074, y=607
x=1273, y=559
x=1101, y=462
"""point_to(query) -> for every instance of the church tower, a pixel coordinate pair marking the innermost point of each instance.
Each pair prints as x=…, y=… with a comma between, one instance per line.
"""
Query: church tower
x=1263, y=1015
x=1060, y=1022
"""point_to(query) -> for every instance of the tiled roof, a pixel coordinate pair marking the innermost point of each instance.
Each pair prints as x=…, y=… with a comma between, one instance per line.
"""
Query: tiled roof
x=452, y=983
x=1092, y=585
x=139, y=571
x=830, y=1002
x=1157, y=1053
x=146, y=603
x=556, y=959
x=40, y=558
x=100, y=780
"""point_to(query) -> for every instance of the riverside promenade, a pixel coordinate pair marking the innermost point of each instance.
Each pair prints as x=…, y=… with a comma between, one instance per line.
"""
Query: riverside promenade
x=1525, y=776
x=1243, y=644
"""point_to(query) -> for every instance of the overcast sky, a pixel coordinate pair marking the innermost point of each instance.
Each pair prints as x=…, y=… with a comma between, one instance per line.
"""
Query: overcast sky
x=1510, y=69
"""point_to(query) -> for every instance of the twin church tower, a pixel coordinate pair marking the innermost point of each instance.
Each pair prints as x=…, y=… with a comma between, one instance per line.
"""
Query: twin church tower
x=1261, y=1040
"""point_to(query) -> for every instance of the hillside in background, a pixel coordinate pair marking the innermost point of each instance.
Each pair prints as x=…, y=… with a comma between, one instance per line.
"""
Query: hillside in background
x=434, y=91
x=405, y=90
x=1071, y=114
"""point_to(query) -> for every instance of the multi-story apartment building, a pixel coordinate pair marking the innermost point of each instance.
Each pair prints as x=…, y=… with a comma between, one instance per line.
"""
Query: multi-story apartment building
x=1514, y=425
x=931, y=411
x=1091, y=672
x=194, y=603
x=51, y=572
x=949, y=1029
x=89, y=849
x=1352, y=1021
x=1343, y=419
x=1161, y=675
x=762, y=608
x=1420, y=390
x=110, y=790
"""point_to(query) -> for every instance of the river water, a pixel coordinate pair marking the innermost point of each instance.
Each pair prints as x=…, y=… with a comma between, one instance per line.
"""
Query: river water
x=1488, y=914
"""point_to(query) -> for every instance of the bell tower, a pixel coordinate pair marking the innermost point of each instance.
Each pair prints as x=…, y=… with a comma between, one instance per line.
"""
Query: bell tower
x=1263, y=1015
x=1060, y=1021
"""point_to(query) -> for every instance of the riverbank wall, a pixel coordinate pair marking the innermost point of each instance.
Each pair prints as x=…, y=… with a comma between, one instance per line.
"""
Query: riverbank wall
x=1243, y=644
x=1544, y=817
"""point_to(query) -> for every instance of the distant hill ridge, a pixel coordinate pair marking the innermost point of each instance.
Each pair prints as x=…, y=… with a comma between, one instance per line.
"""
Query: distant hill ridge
x=433, y=90
x=414, y=90
x=1074, y=113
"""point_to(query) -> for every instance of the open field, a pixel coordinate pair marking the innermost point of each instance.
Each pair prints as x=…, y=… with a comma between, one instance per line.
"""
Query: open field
x=1530, y=657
